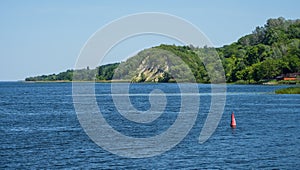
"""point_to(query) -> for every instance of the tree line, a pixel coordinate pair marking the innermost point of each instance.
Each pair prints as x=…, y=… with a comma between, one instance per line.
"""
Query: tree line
x=269, y=51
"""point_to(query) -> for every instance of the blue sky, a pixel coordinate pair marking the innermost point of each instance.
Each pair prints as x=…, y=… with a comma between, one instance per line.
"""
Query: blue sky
x=44, y=37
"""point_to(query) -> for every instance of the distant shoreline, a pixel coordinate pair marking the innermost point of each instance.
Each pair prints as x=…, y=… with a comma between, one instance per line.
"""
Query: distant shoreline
x=128, y=81
x=87, y=81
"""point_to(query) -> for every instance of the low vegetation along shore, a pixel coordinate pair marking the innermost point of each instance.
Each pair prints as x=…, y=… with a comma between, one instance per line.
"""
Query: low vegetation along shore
x=269, y=55
x=289, y=90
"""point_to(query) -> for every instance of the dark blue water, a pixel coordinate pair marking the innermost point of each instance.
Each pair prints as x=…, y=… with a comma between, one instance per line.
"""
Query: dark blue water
x=39, y=129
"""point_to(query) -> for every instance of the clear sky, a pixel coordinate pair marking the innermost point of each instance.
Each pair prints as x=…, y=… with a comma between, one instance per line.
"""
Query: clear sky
x=44, y=37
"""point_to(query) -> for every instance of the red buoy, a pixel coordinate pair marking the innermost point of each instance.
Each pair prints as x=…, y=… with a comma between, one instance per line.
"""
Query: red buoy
x=233, y=123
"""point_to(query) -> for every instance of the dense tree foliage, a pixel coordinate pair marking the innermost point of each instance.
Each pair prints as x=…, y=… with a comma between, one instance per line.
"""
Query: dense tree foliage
x=268, y=52
x=106, y=72
x=63, y=76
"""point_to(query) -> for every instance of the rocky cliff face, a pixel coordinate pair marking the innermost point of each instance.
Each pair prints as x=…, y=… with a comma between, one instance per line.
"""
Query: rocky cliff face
x=154, y=65
x=151, y=70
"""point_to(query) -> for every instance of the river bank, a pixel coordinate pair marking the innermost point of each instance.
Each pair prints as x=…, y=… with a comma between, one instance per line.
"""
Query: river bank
x=289, y=90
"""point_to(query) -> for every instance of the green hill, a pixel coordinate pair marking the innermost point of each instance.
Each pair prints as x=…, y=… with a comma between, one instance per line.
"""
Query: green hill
x=269, y=51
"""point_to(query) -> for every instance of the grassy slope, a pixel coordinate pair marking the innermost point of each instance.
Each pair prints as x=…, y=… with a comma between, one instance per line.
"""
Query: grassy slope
x=289, y=90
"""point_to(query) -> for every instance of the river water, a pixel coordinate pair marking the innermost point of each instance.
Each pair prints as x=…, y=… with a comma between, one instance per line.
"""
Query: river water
x=40, y=130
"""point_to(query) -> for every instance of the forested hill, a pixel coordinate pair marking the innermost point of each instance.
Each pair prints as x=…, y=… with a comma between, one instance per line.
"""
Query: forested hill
x=268, y=52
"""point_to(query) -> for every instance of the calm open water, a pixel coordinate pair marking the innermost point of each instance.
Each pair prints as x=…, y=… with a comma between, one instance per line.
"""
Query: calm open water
x=39, y=129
